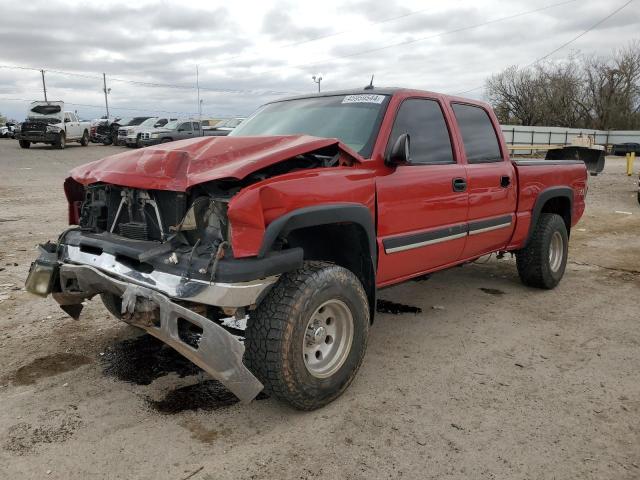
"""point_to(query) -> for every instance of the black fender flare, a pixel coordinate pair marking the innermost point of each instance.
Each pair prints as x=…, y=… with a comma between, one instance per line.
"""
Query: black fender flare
x=322, y=215
x=543, y=197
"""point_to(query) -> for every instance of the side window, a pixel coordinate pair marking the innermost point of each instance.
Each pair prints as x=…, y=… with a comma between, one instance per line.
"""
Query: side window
x=479, y=137
x=205, y=123
x=185, y=127
x=196, y=125
x=428, y=134
x=67, y=117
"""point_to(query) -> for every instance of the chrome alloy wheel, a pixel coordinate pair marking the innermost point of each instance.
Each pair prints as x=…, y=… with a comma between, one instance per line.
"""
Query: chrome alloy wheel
x=328, y=338
x=556, y=251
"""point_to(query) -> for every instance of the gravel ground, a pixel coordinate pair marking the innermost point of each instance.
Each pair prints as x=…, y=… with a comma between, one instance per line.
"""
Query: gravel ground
x=489, y=380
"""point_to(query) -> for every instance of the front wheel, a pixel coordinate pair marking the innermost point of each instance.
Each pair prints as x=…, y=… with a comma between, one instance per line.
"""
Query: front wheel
x=542, y=262
x=307, y=339
x=84, y=141
x=24, y=143
x=61, y=142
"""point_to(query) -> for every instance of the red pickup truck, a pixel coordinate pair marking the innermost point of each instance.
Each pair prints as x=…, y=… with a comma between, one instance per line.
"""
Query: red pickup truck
x=258, y=255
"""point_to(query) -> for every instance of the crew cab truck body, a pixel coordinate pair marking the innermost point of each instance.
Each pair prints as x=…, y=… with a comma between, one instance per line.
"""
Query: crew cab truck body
x=47, y=122
x=291, y=224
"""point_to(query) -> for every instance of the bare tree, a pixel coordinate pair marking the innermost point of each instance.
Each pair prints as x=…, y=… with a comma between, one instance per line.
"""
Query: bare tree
x=589, y=92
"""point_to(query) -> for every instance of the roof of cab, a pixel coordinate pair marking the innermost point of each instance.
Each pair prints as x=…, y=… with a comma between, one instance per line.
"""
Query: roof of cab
x=379, y=91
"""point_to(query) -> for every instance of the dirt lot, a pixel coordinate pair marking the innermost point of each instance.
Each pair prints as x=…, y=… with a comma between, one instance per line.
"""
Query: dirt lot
x=490, y=379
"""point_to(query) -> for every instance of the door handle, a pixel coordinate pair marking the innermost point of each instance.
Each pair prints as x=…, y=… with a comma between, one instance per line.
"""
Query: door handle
x=505, y=181
x=459, y=184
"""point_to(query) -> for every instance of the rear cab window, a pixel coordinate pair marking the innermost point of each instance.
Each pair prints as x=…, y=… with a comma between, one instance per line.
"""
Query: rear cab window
x=478, y=135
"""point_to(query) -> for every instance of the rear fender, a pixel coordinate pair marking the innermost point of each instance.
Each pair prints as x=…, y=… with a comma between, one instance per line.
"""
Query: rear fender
x=543, y=198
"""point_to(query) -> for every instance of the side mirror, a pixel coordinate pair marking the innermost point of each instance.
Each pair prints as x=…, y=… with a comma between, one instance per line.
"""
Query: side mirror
x=67, y=120
x=399, y=153
x=181, y=129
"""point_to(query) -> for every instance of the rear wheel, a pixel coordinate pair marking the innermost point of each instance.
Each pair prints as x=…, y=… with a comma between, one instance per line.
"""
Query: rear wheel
x=542, y=262
x=84, y=141
x=24, y=143
x=307, y=339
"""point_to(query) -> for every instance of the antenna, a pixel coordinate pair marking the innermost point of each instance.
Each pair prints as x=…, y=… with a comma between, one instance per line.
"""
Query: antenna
x=370, y=86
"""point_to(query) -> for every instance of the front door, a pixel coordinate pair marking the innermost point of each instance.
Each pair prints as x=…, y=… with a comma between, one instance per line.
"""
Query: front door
x=422, y=206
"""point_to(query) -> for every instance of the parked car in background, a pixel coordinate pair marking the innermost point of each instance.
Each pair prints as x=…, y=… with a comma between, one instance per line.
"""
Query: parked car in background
x=225, y=127
x=174, y=130
x=121, y=133
x=47, y=122
x=103, y=129
x=130, y=136
x=210, y=123
x=621, y=149
x=8, y=130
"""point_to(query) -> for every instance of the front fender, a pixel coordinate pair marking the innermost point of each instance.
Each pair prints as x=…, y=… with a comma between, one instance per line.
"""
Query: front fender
x=255, y=208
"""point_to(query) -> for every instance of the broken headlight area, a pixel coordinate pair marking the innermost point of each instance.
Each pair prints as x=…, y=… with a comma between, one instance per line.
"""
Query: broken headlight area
x=43, y=272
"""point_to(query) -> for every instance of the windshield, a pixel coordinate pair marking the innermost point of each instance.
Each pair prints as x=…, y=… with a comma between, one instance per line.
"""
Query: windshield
x=137, y=121
x=149, y=122
x=353, y=119
x=172, y=125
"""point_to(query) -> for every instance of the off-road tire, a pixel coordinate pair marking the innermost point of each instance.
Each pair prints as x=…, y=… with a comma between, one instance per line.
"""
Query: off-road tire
x=24, y=143
x=84, y=141
x=113, y=303
x=61, y=142
x=533, y=261
x=275, y=334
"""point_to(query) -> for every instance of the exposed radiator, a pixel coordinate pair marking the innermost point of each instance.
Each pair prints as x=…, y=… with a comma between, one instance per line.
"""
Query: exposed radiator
x=134, y=230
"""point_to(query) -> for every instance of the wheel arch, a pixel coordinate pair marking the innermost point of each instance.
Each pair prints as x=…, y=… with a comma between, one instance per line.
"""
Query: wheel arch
x=558, y=200
x=339, y=233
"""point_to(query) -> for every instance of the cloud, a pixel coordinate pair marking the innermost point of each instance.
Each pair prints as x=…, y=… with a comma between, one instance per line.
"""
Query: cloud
x=279, y=25
x=263, y=46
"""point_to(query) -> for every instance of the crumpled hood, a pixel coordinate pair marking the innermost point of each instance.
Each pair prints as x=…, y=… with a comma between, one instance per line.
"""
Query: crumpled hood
x=177, y=166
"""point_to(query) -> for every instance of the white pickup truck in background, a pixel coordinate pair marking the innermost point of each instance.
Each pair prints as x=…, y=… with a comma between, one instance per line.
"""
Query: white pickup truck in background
x=47, y=122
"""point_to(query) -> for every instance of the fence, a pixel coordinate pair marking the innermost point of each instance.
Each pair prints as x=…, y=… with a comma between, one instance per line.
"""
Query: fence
x=528, y=135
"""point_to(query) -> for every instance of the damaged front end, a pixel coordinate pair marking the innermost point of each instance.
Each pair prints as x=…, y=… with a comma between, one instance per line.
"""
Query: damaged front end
x=151, y=235
x=165, y=258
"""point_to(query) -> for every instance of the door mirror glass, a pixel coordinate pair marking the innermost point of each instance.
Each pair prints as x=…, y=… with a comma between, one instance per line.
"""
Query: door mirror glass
x=399, y=153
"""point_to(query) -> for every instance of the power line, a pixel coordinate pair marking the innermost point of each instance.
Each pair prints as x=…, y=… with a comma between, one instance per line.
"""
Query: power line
x=276, y=92
x=257, y=92
x=421, y=39
x=329, y=35
x=111, y=107
x=538, y=60
x=102, y=106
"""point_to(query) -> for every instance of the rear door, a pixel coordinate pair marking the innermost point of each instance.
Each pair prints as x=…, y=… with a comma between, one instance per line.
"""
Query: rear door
x=422, y=206
x=491, y=182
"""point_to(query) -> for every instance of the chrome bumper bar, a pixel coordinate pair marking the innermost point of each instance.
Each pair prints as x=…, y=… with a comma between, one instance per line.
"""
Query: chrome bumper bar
x=241, y=294
x=217, y=352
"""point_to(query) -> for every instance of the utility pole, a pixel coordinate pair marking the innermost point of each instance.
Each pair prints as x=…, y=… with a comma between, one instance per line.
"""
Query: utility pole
x=44, y=86
x=198, y=88
x=106, y=91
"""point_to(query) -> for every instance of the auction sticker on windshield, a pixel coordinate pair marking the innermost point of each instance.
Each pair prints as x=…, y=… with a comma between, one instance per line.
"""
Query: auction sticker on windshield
x=363, y=98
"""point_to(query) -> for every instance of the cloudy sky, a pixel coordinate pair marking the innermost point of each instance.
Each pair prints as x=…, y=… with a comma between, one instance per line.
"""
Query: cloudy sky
x=249, y=52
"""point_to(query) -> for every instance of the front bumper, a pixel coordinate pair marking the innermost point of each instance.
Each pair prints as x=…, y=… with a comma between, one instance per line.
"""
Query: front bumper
x=129, y=140
x=217, y=352
x=148, y=303
x=37, y=137
x=147, y=142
